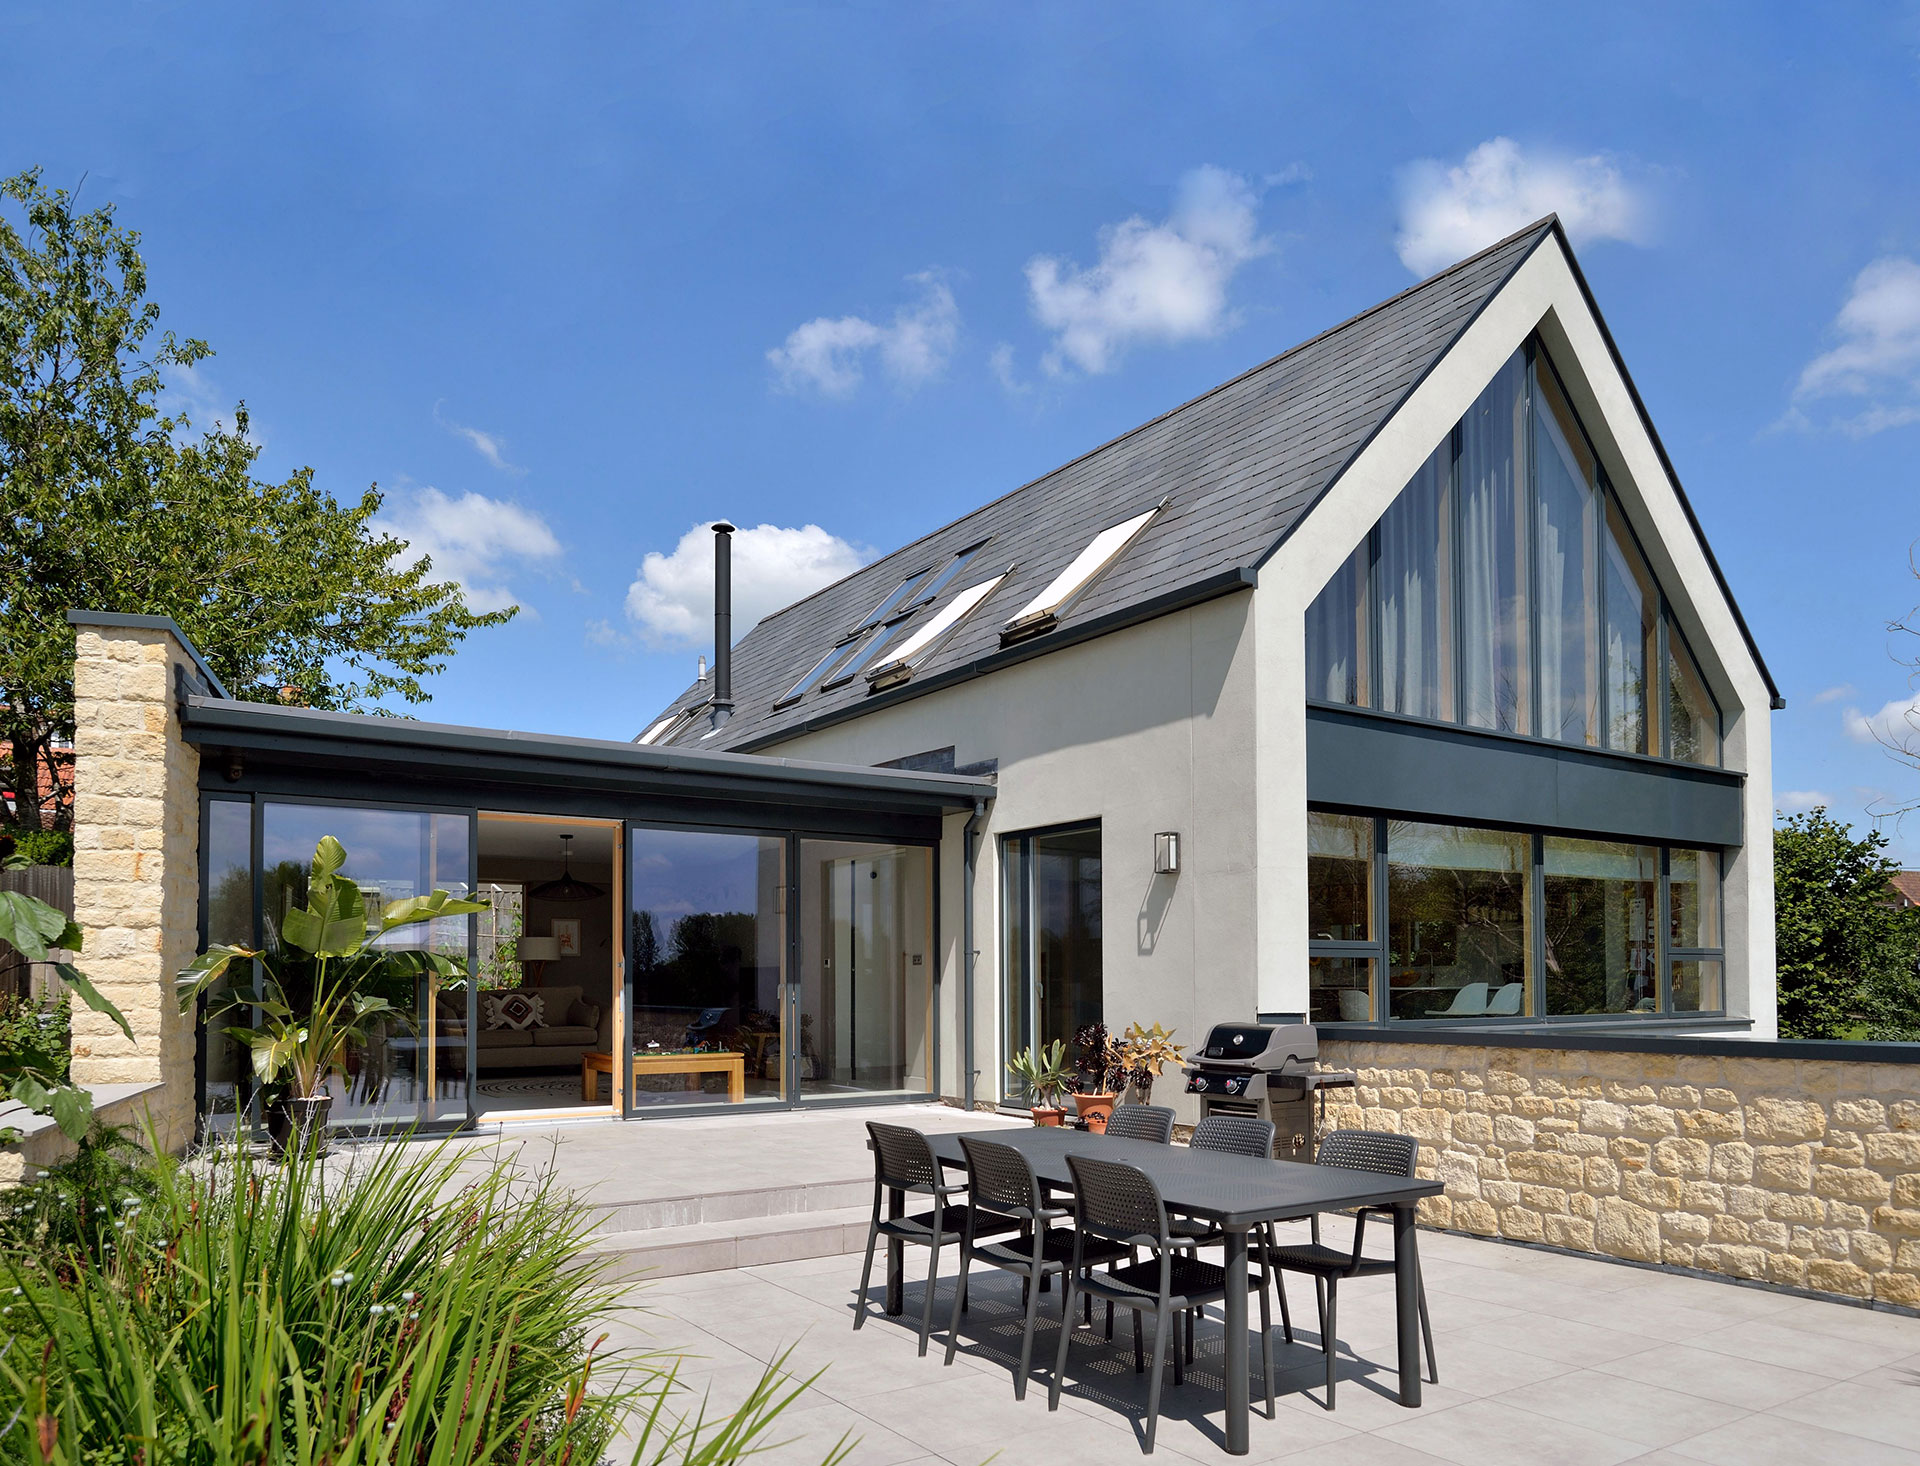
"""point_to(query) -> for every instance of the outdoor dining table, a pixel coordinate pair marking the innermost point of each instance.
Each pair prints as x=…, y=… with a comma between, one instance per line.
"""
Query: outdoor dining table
x=1237, y=1195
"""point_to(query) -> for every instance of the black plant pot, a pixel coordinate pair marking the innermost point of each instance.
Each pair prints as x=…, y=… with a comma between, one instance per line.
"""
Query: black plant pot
x=298, y=1124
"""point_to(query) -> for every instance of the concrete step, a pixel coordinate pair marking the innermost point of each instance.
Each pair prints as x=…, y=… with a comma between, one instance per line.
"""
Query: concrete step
x=706, y=1247
x=747, y=1203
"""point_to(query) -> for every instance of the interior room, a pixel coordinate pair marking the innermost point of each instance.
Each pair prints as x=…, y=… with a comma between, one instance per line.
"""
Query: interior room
x=547, y=959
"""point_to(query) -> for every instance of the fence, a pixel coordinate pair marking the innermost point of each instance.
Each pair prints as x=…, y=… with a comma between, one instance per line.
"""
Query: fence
x=52, y=884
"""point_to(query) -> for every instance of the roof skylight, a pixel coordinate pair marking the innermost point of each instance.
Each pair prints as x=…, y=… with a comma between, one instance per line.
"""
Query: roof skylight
x=897, y=600
x=898, y=666
x=653, y=734
x=1044, y=610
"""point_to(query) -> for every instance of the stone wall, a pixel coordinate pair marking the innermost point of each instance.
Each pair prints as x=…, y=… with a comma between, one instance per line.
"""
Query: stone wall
x=136, y=835
x=1792, y=1170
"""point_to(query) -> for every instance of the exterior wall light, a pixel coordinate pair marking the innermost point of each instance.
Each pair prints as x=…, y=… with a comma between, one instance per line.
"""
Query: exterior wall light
x=1166, y=854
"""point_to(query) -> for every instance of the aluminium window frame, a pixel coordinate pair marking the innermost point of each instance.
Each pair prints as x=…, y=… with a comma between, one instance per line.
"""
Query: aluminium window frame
x=1604, y=493
x=1377, y=949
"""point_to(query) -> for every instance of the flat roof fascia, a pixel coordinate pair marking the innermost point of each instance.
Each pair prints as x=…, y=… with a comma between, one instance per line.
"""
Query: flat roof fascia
x=124, y=620
x=1616, y=1040
x=491, y=751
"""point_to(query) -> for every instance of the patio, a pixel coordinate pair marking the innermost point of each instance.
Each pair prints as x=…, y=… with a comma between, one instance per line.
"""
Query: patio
x=1543, y=1357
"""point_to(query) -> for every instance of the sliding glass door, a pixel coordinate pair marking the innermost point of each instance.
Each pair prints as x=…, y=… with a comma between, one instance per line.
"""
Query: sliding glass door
x=1051, y=933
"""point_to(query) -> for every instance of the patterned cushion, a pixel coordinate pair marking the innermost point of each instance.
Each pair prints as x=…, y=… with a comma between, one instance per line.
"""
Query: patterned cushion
x=516, y=1010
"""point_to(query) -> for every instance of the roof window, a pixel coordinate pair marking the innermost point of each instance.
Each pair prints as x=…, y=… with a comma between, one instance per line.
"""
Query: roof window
x=898, y=600
x=662, y=732
x=825, y=671
x=938, y=582
x=1044, y=611
x=899, y=665
x=655, y=733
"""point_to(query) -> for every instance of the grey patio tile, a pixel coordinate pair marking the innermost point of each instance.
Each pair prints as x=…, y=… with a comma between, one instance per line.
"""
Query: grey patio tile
x=1581, y=1344
x=1769, y=1341
x=1363, y=1450
x=1843, y=1321
x=955, y=1411
x=1489, y=1433
x=1773, y=1440
x=1747, y=1383
x=1368, y=1397
x=1630, y=1409
x=1881, y=1406
x=805, y=1434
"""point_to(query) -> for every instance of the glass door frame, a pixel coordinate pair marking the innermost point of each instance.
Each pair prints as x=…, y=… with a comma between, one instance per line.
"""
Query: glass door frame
x=1022, y=987
x=791, y=1097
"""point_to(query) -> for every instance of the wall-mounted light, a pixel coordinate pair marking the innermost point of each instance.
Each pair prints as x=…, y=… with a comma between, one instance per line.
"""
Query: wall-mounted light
x=1166, y=853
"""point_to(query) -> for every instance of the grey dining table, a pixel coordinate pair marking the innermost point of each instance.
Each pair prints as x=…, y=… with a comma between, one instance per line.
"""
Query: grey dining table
x=1236, y=1194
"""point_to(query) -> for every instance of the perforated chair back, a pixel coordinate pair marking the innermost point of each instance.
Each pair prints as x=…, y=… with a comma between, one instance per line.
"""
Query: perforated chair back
x=1142, y=1122
x=1001, y=1178
x=1370, y=1150
x=1234, y=1135
x=902, y=1159
x=1119, y=1202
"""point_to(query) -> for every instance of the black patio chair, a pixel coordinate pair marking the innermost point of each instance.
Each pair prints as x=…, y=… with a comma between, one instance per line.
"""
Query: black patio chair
x=1001, y=1184
x=1241, y=1135
x=903, y=1161
x=1142, y=1122
x=1117, y=1203
x=1356, y=1150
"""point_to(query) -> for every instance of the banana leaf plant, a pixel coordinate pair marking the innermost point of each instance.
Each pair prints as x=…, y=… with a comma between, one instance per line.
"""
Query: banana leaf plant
x=336, y=945
x=36, y=931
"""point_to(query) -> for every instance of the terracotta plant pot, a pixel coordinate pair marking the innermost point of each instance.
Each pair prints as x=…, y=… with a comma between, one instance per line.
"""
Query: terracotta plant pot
x=1095, y=1110
x=1048, y=1115
x=298, y=1124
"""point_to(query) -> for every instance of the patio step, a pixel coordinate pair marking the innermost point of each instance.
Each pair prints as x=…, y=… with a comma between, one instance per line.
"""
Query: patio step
x=747, y=1204
x=707, y=1247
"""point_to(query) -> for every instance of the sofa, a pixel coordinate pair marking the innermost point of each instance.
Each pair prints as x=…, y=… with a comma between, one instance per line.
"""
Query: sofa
x=569, y=1026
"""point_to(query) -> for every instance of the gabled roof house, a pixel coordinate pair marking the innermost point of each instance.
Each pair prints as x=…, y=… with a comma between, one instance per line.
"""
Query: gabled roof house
x=1409, y=637
x=1391, y=685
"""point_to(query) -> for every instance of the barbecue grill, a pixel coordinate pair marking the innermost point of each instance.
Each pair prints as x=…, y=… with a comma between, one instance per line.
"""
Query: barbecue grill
x=1269, y=1071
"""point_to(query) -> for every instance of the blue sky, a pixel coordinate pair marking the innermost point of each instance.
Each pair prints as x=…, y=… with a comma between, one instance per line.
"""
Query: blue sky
x=568, y=284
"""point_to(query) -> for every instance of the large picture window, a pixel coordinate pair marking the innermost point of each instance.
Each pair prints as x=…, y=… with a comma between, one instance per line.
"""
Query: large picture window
x=1504, y=589
x=1414, y=920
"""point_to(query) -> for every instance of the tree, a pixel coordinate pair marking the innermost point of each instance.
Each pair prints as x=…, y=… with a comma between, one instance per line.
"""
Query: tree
x=109, y=504
x=1844, y=953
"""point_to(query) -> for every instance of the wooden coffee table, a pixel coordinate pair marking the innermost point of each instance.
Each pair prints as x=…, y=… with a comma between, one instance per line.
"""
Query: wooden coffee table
x=595, y=1063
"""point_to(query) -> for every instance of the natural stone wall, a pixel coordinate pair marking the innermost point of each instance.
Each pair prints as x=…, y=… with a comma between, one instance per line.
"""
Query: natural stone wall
x=1797, y=1171
x=136, y=885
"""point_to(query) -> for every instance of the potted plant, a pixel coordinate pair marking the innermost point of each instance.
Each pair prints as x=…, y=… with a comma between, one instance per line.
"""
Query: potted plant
x=1045, y=1074
x=328, y=954
x=1100, y=1065
x=1144, y=1052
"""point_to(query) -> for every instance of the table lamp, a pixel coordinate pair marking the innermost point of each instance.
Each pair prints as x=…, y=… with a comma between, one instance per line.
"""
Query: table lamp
x=535, y=953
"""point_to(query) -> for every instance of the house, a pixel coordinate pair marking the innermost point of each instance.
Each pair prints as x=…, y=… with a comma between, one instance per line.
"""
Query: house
x=1906, y=889
x=1391, y=684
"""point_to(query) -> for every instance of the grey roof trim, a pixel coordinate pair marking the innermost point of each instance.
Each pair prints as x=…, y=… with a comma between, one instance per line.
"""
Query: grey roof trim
x=151, y=623
x=207, y=718
x=1673, y=478
x=1021, y=651
x=1546, y=226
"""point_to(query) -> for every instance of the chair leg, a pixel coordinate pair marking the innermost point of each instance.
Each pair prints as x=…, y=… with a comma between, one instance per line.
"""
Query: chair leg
x=1266, y=1345
x=1286, y=1318
x=1426, y=1332
x=1333, y=1303
x=959, y=1306
x=1192, y=1313
x=933, y=1278
x=1026, y=1336
x=1139, y=1364
x=866, y=1273
x=1109, y=1321
x=1160, y=1322
x=1320, y=1296
x=1060, y=1354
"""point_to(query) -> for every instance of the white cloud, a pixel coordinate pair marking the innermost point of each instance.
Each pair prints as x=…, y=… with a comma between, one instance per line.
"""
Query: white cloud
x=1153, y=282
x=1449, y=212
x=490, y=446
x=1794, y=801
x=1896, y=722
x=472, y=540
x=672, y=600
x=829, y=356
x=1000, y=363
x=1876, y=361
x=1832, y=694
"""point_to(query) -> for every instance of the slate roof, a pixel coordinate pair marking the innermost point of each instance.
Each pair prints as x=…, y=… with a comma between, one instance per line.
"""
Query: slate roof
x=1240, y=465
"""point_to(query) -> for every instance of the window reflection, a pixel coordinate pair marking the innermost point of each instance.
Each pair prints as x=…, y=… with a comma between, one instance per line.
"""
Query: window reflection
x=1339, y=877
x=1340, y=989
x=228, y=898
x=1414, y=580
x=1457, y=921
x=1601, y=943
x=1693, y=719
x=1493, y=556
x=1337, y=636
x=1633, y=636
x=1564, y=515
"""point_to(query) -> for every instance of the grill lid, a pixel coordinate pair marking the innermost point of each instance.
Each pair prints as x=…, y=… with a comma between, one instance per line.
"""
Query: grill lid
x=1261, y=1046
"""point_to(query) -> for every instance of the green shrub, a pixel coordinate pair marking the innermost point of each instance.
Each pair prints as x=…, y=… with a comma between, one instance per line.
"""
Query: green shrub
x=40, y=847
x=35, y=1034
x=72, y=1206
x=295, y=1315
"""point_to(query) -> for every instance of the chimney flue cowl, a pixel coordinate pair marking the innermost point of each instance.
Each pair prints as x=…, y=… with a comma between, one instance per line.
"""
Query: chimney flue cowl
x=722, y=701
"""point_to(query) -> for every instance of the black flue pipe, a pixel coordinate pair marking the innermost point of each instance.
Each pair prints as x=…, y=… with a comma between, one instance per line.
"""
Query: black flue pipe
x=722, y=703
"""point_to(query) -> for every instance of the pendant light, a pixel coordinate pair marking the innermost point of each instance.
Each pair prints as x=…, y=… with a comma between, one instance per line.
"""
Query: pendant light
x=566, y=888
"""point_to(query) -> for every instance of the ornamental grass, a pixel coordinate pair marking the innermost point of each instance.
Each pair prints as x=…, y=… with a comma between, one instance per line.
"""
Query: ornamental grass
x=239, y=1312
